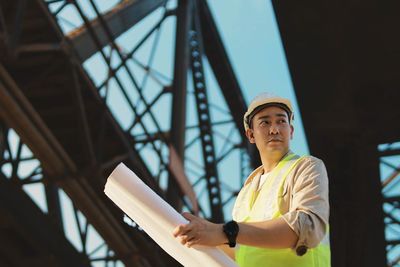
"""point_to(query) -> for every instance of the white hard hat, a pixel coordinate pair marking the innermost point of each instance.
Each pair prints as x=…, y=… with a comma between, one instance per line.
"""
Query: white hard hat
x=264, y=100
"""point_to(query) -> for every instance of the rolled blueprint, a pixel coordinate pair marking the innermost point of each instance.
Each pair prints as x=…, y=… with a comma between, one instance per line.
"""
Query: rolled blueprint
x=158, y=219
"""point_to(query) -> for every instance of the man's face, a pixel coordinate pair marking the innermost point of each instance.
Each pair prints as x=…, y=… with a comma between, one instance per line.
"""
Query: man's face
x=271, y=131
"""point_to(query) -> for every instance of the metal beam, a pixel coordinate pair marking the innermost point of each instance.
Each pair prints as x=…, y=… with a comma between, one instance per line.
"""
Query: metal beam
x=179, y=88
x=225, y=75
x=392, y=199
x=140, y=166
x=53, y=203
x=219, y=61
x=389, y=152
x=83, y=186
x=394, y=242
x=124, y=16
x=17, y=27
x=21, y=116
x=34, y=241
x=204, y=118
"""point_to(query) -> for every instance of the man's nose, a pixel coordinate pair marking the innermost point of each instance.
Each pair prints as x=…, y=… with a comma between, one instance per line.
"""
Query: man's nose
x=274, y=129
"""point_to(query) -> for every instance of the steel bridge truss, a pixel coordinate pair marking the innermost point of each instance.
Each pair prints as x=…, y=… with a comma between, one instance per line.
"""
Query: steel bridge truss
x=22, y=174
x=80, y=95
x=390, y=170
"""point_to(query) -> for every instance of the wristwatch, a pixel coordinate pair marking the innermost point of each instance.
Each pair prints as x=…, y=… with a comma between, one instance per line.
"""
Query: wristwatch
x=231, y=230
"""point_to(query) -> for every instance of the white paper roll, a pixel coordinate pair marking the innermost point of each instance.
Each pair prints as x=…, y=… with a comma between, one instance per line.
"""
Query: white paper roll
x=158, y=219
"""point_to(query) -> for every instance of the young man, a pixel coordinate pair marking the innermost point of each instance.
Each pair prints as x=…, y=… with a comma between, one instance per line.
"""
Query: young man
x=280, y=217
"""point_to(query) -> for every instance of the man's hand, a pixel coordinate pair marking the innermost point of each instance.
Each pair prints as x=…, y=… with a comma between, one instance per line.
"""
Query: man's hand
x=199, y=232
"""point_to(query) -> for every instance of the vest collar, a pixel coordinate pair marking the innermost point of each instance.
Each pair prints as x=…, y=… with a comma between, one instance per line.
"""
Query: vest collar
x=259, y=170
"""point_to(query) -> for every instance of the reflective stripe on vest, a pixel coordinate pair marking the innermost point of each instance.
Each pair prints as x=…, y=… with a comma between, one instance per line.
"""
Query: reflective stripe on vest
x=256, y=210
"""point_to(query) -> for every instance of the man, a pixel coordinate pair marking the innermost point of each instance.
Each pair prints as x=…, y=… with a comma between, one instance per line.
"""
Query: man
x=280, y=218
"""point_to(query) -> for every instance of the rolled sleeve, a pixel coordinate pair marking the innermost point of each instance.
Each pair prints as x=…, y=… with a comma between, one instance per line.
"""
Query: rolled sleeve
x=308, y=213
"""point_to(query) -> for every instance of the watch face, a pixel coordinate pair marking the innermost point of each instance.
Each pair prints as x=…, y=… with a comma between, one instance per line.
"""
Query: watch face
x=231, y=228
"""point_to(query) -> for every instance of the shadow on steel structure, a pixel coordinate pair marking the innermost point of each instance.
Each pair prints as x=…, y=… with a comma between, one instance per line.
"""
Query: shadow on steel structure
x=60, y=132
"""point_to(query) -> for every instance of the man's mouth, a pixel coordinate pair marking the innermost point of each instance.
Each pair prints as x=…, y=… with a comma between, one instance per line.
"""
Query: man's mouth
x=274, y=140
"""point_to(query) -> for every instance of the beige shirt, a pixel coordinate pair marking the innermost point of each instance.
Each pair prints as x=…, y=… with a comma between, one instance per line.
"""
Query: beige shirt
x=305, y=203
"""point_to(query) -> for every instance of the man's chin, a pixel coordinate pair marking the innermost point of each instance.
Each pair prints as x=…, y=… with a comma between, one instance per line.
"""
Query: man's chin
x=273, y=149
x=276, y=149
x=275, y=146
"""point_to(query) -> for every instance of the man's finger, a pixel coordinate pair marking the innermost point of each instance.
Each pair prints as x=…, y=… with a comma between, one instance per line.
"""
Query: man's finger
x=188, y=216
x=190, y=236
x=192, y=242
x=179, y=230
x=182, y=229
x=182, y=239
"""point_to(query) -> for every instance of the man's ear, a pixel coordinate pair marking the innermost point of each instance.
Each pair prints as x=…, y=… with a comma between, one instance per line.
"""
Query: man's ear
x=250, y=135
x=291, y=132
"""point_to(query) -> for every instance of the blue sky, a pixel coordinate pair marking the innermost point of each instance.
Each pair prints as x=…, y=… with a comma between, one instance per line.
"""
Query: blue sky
x=251, y=37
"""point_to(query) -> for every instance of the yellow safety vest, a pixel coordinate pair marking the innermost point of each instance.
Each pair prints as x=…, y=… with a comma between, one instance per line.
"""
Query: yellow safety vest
x=248, y=256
